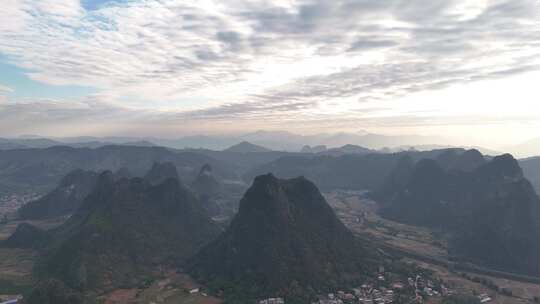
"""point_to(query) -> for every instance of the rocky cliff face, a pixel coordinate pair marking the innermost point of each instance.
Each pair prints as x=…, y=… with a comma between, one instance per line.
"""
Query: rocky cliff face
x=64, y=199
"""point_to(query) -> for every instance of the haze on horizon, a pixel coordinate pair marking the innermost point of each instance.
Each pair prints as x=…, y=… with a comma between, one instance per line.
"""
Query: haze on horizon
x=465, y=69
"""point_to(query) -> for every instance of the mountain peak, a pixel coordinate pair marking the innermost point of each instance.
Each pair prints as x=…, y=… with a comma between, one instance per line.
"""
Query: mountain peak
x=502, y=167
x=246, y=147
x=161, y=172
x=284, y=232
x=206, y=169
x=205, y=184
x=469, y=160
x=105, y=178
x=265, y=179
x=64, y=199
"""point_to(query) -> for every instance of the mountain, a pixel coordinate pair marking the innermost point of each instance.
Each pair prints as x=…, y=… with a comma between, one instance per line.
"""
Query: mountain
x=349, y=171
x=490, y=210
x=6, y=144
x=40, y=170
x=246, y=147
x=347, y=149
x=208, y=190
x=161, y=172
x=206, y=183
x=482, y=150
x=123, y=231
x=458, y=160
x=359, y=172
x=281, y=140
x=122, y=173
x=28, y=237
x=22, y=143
x=275, y=140
x=36, y=142
x=314, y=149
x=242, y=162
x=284, y=238
x=64, y=199
x=53, y=291
x=531, y=170
x=218, y=196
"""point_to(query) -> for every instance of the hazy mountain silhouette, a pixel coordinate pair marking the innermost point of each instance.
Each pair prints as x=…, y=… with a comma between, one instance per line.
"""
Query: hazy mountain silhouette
x=208, y=190
x=531, y=170
x=246, y=147
x=491, y=210
x=40, y=170
x=350, y=171
x=314, y=149
x=161, y=172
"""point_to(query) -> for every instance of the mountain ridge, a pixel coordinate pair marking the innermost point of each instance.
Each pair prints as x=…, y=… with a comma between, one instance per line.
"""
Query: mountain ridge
x=492, y=211
x=123, y=230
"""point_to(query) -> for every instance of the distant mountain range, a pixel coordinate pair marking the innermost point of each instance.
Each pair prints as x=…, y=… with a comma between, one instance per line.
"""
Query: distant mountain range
x=491, y=211
x=273, y=140
x=341, y=171
x=91, y=142
x=40, y=170
x=346, y=149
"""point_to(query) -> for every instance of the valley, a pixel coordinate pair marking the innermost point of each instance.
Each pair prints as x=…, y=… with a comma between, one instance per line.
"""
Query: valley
x=170, y=235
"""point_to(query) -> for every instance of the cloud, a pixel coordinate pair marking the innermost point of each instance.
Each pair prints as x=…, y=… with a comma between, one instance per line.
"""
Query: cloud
x=213, y=60
x=200, y=45
x=5, y=89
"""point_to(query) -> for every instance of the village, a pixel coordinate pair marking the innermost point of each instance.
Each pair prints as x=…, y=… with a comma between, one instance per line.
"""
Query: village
x=9, y=204
x=415, y=290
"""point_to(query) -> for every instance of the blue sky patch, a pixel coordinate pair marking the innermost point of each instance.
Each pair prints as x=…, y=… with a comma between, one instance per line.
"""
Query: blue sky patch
x=97, y=4
x=23, y=87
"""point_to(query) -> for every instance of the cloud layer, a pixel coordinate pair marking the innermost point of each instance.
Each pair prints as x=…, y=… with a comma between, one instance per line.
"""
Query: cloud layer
x=280, y=60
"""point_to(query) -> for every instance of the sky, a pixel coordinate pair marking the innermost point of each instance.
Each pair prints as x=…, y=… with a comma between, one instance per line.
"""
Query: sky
x=466, y=69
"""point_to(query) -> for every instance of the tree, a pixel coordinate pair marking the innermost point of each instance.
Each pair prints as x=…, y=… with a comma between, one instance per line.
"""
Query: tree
x=53, y=292
x=461, y=299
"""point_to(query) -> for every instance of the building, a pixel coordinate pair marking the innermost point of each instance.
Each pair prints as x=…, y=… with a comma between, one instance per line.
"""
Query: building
x=272, y=301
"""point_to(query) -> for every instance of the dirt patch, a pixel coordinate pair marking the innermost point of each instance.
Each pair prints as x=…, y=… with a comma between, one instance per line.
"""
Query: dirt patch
x=121, y=296
x=171, y=288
